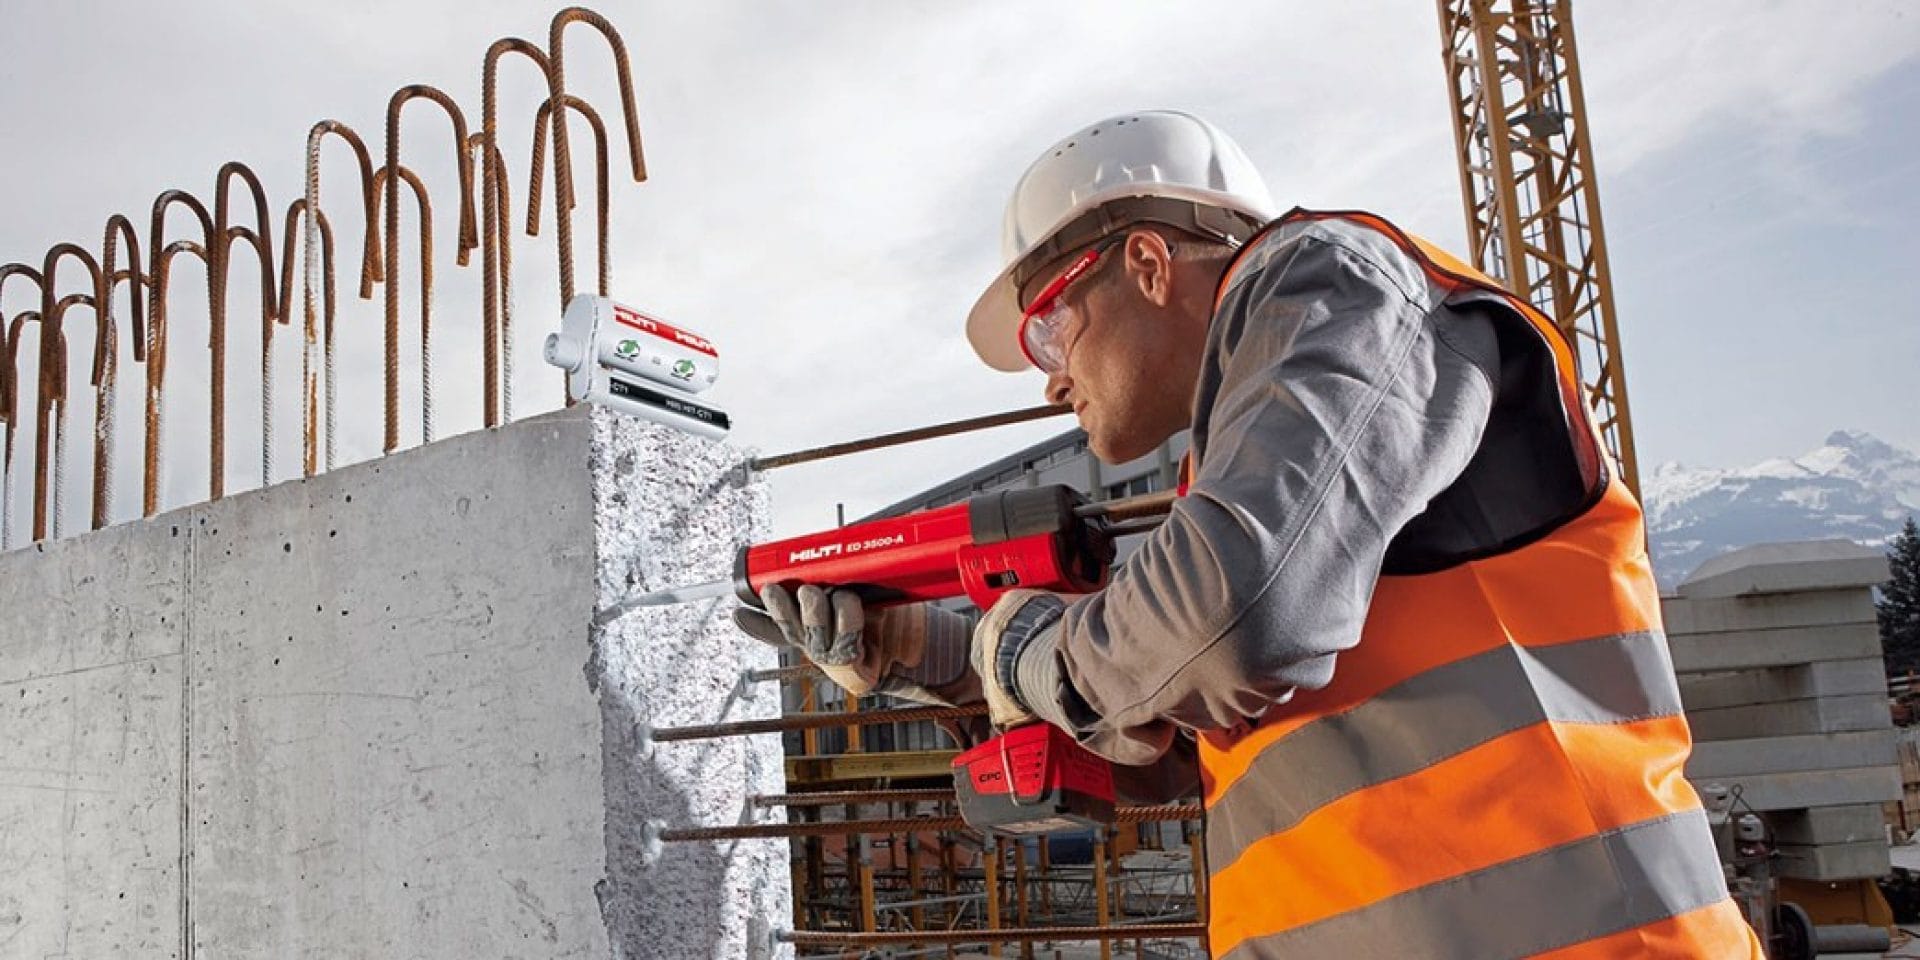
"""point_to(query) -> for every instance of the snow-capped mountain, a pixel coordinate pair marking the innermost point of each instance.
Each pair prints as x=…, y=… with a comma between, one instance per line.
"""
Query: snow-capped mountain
x=1856, y=486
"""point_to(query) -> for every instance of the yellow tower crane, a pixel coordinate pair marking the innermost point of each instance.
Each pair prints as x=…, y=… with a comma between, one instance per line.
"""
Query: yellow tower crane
x=1526, y=173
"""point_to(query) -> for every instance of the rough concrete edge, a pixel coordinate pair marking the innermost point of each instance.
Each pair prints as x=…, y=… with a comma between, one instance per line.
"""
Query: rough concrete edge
x=670, y=509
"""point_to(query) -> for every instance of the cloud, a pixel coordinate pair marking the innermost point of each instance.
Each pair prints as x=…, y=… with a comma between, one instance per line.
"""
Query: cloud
x=826, y=179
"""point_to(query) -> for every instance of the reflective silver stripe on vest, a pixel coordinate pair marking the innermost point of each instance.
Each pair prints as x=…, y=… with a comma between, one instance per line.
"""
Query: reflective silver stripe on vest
x=1439, y=714
x=1564, y=895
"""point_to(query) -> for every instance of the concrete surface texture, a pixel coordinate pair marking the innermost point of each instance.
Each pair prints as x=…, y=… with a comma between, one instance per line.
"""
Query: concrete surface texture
x=356, y=715
x=670, y=509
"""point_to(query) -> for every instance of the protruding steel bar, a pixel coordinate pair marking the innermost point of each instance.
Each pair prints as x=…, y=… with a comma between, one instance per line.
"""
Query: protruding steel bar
x=7, y=384
x=815, y=721
x=798, y=671
x=103, y=375
x=854, y=938
x=601, y=199
x=119, y=229
x=425, y=210
x=157, y=284
x=157, y=362
x=260, y=237
x=910, y=436
x=467, y=240
x=15, y=331
x=828, y=798
x=496, y=261
x=370, y=267
x=53, y=352
x=562, y=156
x=309, y=386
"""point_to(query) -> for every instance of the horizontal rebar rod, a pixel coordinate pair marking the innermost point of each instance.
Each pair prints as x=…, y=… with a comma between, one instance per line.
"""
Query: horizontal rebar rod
x=910, y=436
x=816, y=721
x=1143, y=931
x=841, y=828
x=798, y=671
x=828, y=798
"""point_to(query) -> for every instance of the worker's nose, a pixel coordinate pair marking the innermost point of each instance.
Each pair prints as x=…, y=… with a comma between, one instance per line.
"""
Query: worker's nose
x=1059, y=385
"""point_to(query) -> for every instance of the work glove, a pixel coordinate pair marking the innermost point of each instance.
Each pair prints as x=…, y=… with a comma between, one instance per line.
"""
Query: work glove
x=916, y=652
x=998, y=642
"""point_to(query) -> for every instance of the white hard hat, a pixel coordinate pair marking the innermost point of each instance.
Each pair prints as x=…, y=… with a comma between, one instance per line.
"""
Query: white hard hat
x=1157, y=166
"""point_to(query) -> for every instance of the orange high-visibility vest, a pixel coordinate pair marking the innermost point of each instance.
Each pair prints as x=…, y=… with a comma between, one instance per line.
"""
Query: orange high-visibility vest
x=1495, y=769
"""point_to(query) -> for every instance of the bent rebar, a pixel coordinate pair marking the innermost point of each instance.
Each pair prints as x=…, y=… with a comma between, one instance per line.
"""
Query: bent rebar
x=496, y=256
x=601, y=199
x=14, y=332
x=425, y=208
x=51, y=311
x=261, y=237
x=309, y=400
x=468, y=231
x=562, y=156
x=370, y=272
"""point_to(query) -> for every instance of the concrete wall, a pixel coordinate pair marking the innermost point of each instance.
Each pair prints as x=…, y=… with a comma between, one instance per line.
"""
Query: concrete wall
x=358, y=715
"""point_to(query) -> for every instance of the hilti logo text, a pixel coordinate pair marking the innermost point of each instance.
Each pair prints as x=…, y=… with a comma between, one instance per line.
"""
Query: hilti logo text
x=640, y=321
x=814, y=553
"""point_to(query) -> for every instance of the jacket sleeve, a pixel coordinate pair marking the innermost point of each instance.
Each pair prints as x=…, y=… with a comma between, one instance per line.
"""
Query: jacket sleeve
x=1334, y=403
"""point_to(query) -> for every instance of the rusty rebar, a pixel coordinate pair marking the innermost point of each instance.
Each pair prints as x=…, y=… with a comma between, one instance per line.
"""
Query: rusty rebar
x=52, y=308
x=260, y=237
x=602, y=215
x=832, y=798
x=7, y=384
x=370, y=271
x=815, y=721
x=910, y=436
x=562, y=156
x=309, y=398
x=102, y=378
x=467, y=239
x=496, y=259
x=844, y=828
x=119, y=228
x=855, y=938
x=158, y=277
x=805, y=670
x=424, y=208
x=12, y=402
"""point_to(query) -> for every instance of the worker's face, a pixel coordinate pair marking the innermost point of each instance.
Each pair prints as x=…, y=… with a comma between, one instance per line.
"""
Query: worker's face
x=1131, y=354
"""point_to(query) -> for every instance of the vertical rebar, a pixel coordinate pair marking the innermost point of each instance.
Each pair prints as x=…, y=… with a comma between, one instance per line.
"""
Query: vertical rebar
x=424, y=208
x=163, y=254
x=467, y=239
x=309, y=398
x=369, y=271
x=602, y=216
x=563, y=157
x=220, y=256
x=51, y=310
x=496, y=259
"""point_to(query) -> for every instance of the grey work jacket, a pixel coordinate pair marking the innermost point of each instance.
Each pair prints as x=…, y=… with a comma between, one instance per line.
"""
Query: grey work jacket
x=1336, y=401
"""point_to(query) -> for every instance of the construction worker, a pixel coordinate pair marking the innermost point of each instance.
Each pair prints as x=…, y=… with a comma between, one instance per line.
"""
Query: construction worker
x=1404, y=607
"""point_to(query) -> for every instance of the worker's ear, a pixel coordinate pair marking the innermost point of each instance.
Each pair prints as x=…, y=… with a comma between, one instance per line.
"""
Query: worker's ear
x=1149, y=264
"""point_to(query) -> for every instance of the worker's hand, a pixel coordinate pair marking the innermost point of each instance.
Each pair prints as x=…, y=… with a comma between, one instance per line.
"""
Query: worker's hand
x=916, y=652
x=994, y=657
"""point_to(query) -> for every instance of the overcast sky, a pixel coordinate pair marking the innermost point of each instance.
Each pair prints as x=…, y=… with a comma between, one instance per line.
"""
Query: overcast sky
x=827, y=181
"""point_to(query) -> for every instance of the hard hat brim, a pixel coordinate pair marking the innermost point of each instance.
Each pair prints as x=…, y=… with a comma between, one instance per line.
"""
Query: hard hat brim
x=993, y=326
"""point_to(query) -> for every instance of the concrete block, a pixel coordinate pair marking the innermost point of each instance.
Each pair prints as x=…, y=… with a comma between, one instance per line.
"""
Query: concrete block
x=1787, y=567
x=1768, y=611
x=1834, y=861
x=1745, y=649
x=1825, y=715
x=1826, y=751
x=1853, y=823
x=91, y=630
x=1826, y=678
x=1815, y=788
x=394, y=751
